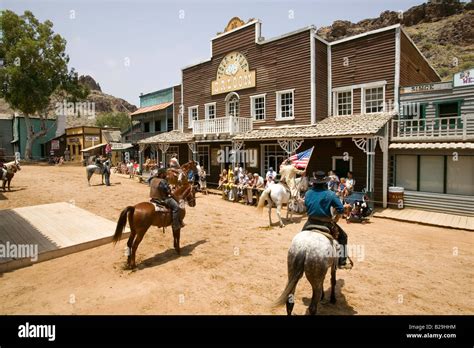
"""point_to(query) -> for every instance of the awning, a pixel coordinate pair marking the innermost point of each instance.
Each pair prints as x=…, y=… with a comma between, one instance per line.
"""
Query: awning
x=330, y=127
x=120, y=146
x=431, y=146
x=93, y=147
x=156, y=107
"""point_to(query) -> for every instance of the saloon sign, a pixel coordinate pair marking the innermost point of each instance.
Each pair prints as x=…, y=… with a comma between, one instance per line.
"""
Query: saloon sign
x=233, y=74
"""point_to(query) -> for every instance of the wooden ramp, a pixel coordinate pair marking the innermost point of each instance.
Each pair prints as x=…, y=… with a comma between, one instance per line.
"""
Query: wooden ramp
x=428, y=218
x=49, y=231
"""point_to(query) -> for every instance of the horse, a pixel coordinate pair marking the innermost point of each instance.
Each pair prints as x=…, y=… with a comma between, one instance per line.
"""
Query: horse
x=11, y=169
x=143, y=215
x=313, y=253
x=174, y=176
x=277, y=194
x=95, y=169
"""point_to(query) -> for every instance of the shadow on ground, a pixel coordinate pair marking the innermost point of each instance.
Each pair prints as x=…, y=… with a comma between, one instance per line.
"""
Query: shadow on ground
x=169, y=255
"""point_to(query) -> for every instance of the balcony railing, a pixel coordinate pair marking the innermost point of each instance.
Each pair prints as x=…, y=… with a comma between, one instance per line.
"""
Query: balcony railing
x=440, y=128
x=230, y=125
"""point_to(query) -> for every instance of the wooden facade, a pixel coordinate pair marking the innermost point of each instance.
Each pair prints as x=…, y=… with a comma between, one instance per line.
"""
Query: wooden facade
x=281, y=64
x=371, y=66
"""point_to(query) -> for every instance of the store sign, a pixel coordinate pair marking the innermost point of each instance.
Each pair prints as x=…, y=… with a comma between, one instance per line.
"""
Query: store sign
x=464, y=78
x=428, y=87
x=233, y=74
x=54, y=144
x=73, y=140
x=92, y=138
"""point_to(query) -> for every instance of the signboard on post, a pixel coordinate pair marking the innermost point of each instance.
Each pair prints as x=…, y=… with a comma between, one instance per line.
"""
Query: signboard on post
x=127, y=156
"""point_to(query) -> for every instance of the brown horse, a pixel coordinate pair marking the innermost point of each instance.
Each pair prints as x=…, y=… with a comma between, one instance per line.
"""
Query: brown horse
x=174, y=176
x=11, y=168
x=143, y=215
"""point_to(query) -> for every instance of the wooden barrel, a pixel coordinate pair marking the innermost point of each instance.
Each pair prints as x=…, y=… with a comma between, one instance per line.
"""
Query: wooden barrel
x=396, y=197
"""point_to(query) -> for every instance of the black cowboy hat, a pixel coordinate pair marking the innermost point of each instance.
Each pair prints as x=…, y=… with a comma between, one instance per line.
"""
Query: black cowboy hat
x=161, y=171
x=319, y=178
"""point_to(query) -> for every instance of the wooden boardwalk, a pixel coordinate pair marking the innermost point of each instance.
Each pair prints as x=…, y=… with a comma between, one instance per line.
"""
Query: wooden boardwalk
x=428, y=218
x=55, y=229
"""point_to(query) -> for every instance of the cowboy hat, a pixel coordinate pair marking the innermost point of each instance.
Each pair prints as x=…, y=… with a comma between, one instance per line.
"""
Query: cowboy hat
x=319, y=178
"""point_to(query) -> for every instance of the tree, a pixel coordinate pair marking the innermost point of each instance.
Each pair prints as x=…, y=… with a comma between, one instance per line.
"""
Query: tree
x=35, y=71
x=114, y=119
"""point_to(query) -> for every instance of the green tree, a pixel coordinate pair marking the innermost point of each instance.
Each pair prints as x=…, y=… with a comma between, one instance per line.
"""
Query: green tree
x=35, y=71
x=114, y=119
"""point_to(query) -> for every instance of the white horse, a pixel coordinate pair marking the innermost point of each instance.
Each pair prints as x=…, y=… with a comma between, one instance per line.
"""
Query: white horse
x=276, y=194
x=312, y=253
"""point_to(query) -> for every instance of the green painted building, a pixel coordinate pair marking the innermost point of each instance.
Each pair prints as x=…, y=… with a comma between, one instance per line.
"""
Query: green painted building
x=38, y=150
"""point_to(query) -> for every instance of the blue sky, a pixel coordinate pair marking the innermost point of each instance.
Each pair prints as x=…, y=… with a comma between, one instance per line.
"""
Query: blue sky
x=140, y=46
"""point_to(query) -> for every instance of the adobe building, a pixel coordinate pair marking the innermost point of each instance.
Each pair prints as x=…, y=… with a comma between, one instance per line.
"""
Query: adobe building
x=282, y=95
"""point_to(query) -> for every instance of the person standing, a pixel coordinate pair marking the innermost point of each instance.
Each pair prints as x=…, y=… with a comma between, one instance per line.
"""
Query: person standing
x=67, y=155
x=319, y=201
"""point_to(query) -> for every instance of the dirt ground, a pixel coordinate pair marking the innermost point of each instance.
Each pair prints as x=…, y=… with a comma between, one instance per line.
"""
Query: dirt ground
x=231, y=263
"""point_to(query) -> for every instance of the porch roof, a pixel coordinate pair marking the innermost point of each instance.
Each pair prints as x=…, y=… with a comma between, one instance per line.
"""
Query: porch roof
x=174, y=136
x=431, y=146
x=333, y=126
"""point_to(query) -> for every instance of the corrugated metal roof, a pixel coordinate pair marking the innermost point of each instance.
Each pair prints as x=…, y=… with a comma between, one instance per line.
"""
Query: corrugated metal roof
x=431, y=146
x=151, y=108
x=333, y=126
x=112, y=136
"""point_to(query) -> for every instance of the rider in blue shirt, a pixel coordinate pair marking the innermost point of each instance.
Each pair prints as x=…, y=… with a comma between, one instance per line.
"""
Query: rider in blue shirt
x=319, y=202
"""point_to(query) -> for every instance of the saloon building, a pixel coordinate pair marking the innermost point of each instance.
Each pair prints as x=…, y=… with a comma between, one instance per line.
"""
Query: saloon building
x=282, y=95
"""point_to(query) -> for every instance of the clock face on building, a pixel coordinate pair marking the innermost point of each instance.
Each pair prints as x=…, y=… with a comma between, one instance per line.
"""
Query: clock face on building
x=231, y=64
x=233, y=74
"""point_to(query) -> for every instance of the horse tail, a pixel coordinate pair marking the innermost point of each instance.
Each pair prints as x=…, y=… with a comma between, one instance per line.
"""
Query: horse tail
x=122, y=221
x=265, y=196
x=295, y=272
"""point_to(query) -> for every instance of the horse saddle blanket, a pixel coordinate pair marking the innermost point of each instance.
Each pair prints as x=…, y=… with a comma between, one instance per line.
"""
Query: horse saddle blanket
x=162, y=208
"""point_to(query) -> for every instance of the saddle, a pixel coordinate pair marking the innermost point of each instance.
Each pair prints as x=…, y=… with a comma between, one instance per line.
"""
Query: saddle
x=325, y=231
x=162, y=208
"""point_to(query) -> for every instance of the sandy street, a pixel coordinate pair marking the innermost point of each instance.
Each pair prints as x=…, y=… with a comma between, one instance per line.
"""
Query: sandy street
x=231, y=262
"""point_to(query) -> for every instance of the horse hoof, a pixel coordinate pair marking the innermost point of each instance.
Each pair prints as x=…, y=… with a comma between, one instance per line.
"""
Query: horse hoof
x=333, y=300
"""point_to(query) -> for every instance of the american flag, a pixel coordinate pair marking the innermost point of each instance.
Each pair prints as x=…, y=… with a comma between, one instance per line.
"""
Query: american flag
x=301, y=160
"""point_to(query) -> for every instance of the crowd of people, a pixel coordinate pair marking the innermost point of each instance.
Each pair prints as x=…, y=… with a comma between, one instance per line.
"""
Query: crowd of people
x=241, y=184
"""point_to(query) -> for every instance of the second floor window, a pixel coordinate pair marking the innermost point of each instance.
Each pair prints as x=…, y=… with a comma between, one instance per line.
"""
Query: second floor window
x=193, y=115
x=344, y=103
x=258, y=107
x=157, y=126
x=210, y=111
x=285, y=105
x=374, y=100
x=146, y=127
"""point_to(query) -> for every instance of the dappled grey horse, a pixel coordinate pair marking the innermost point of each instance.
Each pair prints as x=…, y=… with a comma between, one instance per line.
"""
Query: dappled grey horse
x=312, y=253
x=104, y=170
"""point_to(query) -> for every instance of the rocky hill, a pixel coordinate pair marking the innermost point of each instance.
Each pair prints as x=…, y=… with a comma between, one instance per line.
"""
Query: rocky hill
x=442, y=30
x=103, y=103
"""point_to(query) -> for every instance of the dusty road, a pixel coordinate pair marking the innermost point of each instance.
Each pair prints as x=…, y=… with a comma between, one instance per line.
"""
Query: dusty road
x=231, y=263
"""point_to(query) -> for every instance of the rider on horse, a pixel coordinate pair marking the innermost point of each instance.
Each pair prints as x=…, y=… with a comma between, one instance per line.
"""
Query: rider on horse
x=162, y=195
x=319, y=201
